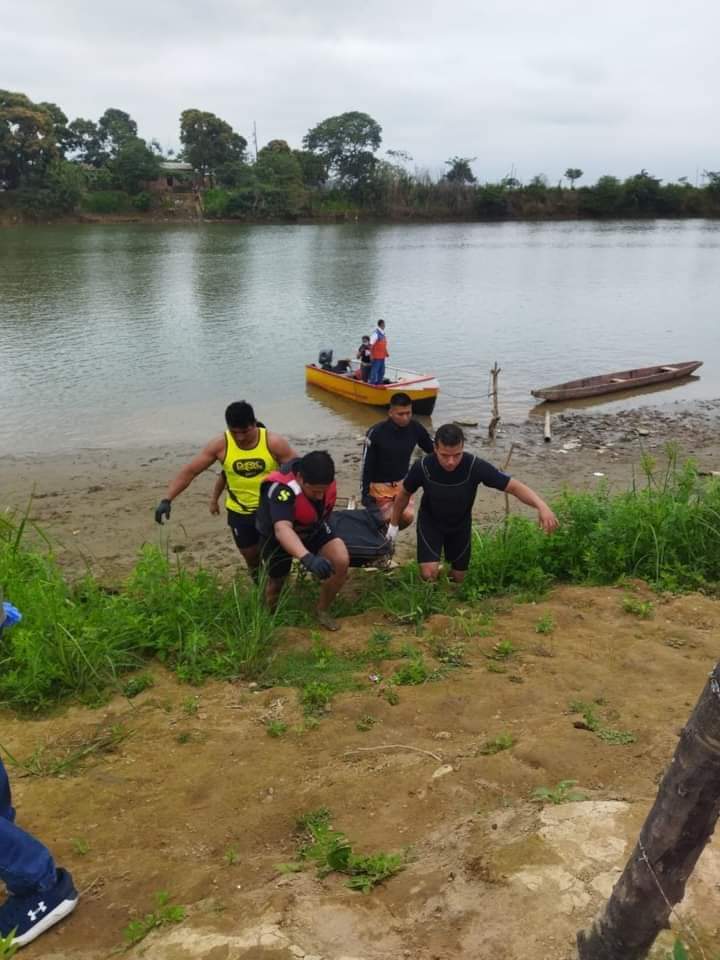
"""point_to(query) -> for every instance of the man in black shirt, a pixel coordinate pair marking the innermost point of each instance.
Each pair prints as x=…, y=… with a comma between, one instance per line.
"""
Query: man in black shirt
x=449, y=479
x=389, y=446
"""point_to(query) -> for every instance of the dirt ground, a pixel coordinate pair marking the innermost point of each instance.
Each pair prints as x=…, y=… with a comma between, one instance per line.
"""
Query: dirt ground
x=491, y=874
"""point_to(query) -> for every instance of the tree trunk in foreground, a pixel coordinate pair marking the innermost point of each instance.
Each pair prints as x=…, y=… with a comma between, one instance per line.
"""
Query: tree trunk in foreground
x=672, y=838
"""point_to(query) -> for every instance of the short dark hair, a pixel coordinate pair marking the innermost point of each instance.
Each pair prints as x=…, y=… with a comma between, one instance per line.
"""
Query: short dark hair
x=400, y=400
x=366, y=337
x=381, y=323
x=317, y=467
x=240, y=415
x=449, y=435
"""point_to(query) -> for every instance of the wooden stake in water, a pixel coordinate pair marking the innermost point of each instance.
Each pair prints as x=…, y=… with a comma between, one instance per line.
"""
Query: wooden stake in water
x=547, y=433
x=492, y=428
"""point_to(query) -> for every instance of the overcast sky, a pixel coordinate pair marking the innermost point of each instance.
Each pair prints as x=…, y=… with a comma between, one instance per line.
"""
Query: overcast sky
x=610, y=87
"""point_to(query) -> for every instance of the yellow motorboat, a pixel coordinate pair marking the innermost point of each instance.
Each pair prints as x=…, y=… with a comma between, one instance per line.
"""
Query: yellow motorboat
x=344, y=380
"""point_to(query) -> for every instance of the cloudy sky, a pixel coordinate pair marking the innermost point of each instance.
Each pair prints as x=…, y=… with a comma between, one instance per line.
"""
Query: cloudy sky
x=536, y=87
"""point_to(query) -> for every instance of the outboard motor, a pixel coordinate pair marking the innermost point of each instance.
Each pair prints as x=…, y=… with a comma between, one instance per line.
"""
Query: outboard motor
x=325, y=359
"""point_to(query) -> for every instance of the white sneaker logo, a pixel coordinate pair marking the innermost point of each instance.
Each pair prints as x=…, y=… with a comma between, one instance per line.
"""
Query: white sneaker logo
x=34, y=914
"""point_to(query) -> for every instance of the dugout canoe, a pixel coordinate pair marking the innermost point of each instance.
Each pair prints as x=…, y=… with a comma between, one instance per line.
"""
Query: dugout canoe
x=421, y=389
x=622, y=380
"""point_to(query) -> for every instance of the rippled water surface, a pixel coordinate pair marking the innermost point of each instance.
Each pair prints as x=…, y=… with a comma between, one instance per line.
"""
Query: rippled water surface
x=136, y=334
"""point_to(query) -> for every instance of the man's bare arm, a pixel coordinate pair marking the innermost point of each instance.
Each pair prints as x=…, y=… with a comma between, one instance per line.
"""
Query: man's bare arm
x=217, y=493
x=546, y=518
x=288, y=539
x=280, y=448
x=401, y=501
x=209, y=454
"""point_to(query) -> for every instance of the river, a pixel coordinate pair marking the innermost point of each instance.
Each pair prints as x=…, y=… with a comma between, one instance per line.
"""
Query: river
x=136, y=334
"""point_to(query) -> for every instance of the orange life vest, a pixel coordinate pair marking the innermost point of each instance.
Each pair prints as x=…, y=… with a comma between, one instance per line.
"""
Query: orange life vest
x=379, y=350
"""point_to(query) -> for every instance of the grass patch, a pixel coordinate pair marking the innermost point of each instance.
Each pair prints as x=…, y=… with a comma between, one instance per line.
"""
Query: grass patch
x=365, y=723
x=644, y=609
x=66, y=756
x=562, y=792
x=592, y=721
x=164, y=913
x=331, y=852
x=136, y=685
x=503, y=741
x=276, y=728
x=502, y=650
x=545, y=624
x=8, y=949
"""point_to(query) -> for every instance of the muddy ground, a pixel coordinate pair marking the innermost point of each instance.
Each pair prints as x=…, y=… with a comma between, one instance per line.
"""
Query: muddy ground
x=195, y=781
x=490, y=873
x=98, y=505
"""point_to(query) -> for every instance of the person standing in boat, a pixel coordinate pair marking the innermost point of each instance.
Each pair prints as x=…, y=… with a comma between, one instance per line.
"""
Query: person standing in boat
x=449, y=478
x=247, y=452
x=388, y=447
x=364, y=355
x=378, y=353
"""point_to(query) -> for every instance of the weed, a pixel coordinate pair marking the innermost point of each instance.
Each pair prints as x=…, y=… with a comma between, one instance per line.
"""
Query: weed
x=231, y=856
x=184, y=737
x=504, y=741
x=331, y=852
x=190, y=706
x=8, y=948
x=473, y=624
x=80, y=846
x=365, y=723
x=63, y=757
x=639, y=608
x=164, y=913
x=136, y=685
x=276, y=728
x=316, y=697
x=392, y=696
x=452, y=654
x=415, y=672
x=593, y=722
x=494, y=667
x=502, y=650
x=562, y=792
x=545, y=624
x=379, y=645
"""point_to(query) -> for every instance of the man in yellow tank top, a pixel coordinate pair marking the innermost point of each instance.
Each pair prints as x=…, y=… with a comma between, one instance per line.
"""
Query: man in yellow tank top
x=247, y=452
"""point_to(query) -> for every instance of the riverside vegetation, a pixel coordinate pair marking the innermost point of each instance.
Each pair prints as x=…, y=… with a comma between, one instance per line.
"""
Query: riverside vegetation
x=51, y=166
x=79, y=639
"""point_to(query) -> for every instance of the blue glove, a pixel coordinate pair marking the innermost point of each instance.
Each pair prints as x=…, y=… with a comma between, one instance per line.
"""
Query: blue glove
x=9, y=616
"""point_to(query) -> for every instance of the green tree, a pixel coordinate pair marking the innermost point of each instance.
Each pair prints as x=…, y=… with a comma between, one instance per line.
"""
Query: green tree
x=313, y=167
x=347, y=143
x=460, y=170
x=115, y=128
x=27, y=139
x=135, y=163
x=713, y=181
x=209, y=142
x=643, y=193
x=86, y=143
x=61, y=132
x=604, y=199
x=280, y=179
x=572, y=174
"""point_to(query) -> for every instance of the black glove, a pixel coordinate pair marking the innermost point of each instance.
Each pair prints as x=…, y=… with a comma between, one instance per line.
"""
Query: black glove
x=318, y=566
x=162, y=510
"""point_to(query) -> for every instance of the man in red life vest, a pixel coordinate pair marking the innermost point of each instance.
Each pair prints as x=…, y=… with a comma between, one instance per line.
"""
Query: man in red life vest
x=378, y=353
x=295, y=505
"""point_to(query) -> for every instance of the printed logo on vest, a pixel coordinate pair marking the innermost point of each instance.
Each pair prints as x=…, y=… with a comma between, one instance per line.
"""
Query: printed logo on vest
x=249, y=468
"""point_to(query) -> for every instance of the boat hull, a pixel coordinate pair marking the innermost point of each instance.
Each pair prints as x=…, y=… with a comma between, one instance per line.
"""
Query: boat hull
x=422, y=391
x=614, y=382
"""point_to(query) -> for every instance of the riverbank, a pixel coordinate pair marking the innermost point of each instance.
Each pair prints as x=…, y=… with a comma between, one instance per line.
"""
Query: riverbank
x=97, y=505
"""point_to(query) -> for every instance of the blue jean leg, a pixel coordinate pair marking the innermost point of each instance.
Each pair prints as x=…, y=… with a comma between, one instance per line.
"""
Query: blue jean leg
x=377, y=371
x=25, y=864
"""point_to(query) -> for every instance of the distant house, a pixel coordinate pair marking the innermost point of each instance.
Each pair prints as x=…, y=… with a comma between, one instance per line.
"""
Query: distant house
x=176, y=176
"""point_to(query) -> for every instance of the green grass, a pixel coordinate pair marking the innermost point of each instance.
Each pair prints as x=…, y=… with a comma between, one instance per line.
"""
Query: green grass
x=562, y=792
x=7, y=947
x=545, y=624
x=79, y=640
x=643, y=609
x=276, y=728
x=163, y=914
x=592, y=721
x=136, y=685
x=332, y=852
x=504, y=741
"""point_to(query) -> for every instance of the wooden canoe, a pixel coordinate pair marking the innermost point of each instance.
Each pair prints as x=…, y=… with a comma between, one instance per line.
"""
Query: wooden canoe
x=612, y=382
x=422, y=390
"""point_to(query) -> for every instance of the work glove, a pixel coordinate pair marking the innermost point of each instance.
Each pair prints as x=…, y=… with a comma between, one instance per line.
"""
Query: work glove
x=318, y=566
x=392, y=532
x=162, y=510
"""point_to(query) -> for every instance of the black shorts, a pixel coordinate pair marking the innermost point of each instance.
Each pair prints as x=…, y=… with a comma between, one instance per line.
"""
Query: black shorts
x=433, y=540
x=278, y=562
x=243, y=528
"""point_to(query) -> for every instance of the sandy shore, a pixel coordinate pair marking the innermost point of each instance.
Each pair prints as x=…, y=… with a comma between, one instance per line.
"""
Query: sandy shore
x=97, y=505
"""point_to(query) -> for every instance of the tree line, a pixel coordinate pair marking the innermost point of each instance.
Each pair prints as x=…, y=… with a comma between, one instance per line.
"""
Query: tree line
x=49, y=164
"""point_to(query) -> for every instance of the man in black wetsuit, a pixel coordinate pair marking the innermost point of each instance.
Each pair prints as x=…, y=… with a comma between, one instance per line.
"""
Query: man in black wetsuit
x=449, y=478
x=389, y=446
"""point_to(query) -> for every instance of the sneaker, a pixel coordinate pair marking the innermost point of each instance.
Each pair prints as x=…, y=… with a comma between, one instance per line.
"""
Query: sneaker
x=31, y=915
